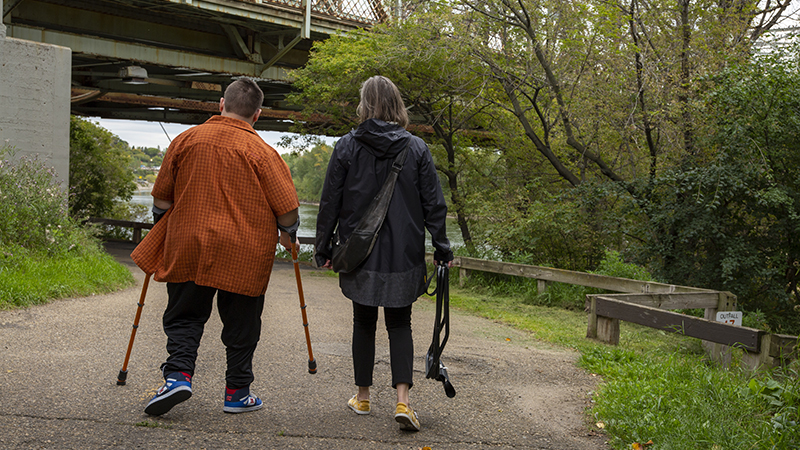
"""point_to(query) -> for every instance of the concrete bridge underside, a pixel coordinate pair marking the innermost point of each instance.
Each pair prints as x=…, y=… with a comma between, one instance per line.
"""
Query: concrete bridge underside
x=170, y=60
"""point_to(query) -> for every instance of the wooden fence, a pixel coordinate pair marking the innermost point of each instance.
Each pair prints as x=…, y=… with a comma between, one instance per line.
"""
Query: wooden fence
x=648, y=303
x=136, y=226
x=139, y=226
x=643, y=302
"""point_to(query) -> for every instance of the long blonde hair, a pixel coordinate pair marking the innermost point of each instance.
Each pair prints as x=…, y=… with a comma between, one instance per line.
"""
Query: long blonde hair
x=380, y=99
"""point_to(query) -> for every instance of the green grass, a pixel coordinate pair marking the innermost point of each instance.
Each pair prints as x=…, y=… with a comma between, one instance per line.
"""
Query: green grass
x=44, y=253
x=29, y=278
x=658, y=386
x=562, y=326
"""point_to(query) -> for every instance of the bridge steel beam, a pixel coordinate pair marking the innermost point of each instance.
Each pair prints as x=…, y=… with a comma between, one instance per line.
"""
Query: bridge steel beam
x=183, y=49
x=147, y=54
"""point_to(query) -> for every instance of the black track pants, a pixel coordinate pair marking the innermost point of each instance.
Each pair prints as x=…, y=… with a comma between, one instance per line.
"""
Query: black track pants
x=401, y=343
x=187, y=312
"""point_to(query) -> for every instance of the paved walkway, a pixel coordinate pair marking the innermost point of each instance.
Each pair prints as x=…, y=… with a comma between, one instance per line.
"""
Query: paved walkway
x=59, y=363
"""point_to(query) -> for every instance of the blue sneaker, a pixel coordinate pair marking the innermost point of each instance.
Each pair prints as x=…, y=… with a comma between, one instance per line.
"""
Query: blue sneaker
x=176, y=389
x=247, y=401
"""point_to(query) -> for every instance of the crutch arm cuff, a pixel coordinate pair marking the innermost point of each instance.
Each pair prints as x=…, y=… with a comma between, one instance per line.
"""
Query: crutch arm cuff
x=291, y=229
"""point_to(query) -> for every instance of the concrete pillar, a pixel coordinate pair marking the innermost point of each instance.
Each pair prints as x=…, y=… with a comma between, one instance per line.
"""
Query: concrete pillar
x=35, y=100
x=2, y=25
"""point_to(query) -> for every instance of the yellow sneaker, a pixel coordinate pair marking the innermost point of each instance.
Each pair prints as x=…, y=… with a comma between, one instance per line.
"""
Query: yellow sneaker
x=406, y=417
x=359, y=406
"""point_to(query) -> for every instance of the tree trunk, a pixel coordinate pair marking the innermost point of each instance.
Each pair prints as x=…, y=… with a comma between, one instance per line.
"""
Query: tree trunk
x=685, y=87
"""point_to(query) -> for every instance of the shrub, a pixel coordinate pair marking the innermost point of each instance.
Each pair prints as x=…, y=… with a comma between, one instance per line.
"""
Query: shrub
x=34, y=206
x=45, y=254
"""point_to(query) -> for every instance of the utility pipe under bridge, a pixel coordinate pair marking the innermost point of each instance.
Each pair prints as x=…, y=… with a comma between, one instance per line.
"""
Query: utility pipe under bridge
x=139, y=59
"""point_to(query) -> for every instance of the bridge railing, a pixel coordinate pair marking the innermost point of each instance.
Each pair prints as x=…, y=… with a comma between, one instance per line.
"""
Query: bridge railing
x=360, y=11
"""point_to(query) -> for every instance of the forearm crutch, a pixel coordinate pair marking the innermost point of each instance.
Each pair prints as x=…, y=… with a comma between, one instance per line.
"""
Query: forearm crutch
x=434, y=367
x=312, y=364
x=123, y=374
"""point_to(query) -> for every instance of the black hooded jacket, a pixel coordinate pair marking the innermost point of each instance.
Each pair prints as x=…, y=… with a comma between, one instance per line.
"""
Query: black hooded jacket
x=393, y=274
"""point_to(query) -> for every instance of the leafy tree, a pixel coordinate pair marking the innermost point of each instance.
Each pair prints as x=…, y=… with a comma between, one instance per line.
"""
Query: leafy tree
x=436, y=82
x=99, y=173
x=308, y=170
x=618, y=101
x=151, y=152
x=732, y=223
x=603, y=90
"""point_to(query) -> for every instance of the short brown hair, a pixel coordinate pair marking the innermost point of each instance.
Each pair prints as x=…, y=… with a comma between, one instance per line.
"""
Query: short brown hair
x=243, y=97
x=380, y=99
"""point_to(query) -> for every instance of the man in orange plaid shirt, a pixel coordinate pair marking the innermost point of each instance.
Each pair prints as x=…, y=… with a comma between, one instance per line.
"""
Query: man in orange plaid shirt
x=219, y=200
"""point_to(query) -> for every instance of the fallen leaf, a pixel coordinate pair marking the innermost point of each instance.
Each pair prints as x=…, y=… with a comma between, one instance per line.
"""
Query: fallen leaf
x=600, y=425
x=637, y=446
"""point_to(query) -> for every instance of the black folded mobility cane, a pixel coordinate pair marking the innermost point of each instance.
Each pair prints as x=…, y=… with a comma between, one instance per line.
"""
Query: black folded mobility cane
x=434, y=367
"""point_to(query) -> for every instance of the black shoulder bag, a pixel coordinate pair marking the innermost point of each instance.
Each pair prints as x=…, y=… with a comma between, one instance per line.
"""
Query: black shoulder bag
x=349, y=255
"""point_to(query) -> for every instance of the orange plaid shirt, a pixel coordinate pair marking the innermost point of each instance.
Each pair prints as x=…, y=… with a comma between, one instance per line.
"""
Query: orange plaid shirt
x=227, y=187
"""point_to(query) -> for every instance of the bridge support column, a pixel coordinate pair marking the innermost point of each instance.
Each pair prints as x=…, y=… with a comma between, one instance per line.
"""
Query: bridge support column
x=35, y=100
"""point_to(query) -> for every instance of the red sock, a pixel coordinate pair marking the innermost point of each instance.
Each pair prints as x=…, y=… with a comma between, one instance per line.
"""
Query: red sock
x=234, y=395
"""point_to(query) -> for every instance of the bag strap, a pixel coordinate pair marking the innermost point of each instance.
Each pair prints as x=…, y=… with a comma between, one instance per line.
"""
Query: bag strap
x=384, y=197
x=377, y=209
x=398, y=163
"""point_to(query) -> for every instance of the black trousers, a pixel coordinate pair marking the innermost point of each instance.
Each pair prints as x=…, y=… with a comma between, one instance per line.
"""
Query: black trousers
x=188, y=310
x=401, y=343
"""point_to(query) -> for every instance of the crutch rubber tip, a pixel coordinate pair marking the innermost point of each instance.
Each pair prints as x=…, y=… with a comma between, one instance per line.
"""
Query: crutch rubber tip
x=312, y=366
x=123, y=375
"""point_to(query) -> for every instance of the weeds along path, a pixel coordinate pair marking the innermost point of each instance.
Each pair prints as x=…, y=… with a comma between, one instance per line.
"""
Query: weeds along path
x=59, y=362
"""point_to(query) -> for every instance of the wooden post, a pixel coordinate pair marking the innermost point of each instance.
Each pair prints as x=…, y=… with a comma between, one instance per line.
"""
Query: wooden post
x=783, y=348
x=608, y=330
x=137, y=234
x=541, y=286
x=719, y=352
x=462, y=276
x=601, y=328
x=761, y=359
x=591, y=306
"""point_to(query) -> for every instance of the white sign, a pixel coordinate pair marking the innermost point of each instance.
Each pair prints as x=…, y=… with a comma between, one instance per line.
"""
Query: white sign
x=730, y=317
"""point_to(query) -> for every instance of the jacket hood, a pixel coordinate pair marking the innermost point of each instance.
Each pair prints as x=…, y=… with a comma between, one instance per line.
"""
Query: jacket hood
x=382, y=139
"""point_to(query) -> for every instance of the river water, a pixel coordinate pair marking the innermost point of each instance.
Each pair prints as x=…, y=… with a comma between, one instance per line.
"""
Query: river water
x=308, y=220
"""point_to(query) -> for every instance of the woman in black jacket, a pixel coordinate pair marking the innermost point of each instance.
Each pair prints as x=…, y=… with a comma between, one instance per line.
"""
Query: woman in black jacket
x=393, y=275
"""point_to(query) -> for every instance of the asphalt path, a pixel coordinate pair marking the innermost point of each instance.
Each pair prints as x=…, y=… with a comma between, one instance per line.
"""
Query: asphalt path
x=59, y=364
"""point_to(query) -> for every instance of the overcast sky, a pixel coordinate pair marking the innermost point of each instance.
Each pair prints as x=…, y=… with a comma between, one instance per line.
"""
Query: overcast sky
x=140, y=133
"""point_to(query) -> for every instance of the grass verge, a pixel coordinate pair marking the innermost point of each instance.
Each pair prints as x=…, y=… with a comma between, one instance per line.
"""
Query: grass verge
x=658, y=390
x=31, y=278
